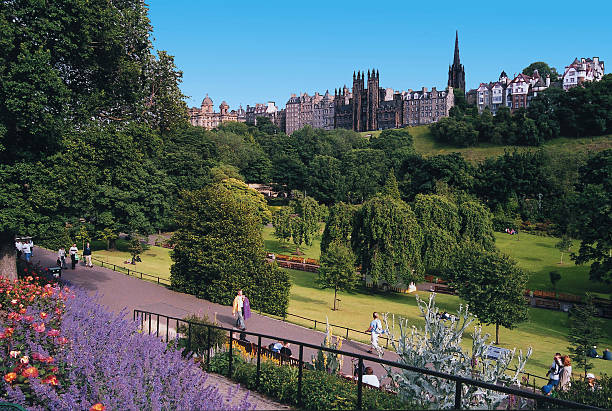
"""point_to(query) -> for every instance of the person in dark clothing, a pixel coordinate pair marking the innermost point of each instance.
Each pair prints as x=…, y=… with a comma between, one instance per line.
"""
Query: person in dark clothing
x=285, y=351
x=87, y=255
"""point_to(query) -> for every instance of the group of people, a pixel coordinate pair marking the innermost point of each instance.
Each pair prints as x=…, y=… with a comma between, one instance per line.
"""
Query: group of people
x=559, y=375
x=73, y=253
x=25, y=248
x=511, y=231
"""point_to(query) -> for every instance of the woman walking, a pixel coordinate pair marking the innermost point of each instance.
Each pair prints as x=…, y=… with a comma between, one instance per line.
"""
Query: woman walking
x=87, y=255
x=565, y=379
x=74, y=256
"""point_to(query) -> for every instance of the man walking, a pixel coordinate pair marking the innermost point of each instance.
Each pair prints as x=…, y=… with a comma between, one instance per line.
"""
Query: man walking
x=553, y=374
x=27, y=250
x=87, y=255
x=375, y=329
x=237, y=309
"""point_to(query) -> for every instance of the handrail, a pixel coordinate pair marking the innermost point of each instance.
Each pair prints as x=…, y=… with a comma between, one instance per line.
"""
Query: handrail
x=135, y=273
x=138, y=314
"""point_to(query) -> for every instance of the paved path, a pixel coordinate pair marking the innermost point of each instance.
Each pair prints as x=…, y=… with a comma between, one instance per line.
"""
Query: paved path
x=118, y=291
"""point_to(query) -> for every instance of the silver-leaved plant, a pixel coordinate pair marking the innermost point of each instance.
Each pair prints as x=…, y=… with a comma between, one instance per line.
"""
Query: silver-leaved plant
x=437, y=347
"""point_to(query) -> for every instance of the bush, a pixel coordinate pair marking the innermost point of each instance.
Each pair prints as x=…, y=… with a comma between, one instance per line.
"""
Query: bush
x=320, y=390
x=199, y=335
x=580, y=392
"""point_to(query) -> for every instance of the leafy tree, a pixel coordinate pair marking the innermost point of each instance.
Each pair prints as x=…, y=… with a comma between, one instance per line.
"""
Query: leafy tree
x=584, y=332
x=476, y=224
x=304, y=221
x=219, y=249
x=554, y=279
x=364, y=172
x=337, y=270
x=338, y=226
x=564, y=246
x=325, y=180
x=108, y=235
x=492, y=285
x=82, y=236
x=387, y=240
x=543, y=69
x=251, y=195
x=391, y=188
x=135, y=248
x=282, y=224
x=593, y=207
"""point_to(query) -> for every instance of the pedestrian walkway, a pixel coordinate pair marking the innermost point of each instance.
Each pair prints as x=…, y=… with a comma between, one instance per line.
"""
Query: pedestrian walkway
x=120, y=292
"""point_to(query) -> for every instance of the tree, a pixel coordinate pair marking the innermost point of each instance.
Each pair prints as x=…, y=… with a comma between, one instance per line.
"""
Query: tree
x=108, y=235
x=554, y=279
x=282, y=224
x=82, y=236
x=219, y=249
x=584, y=332
x=493, y=286
x=593, y=207
x=135, y=248
x=391, y=188
x=387, y=240
x=338, y=226
x=304, y=221
x=337, y=270
x=476, y=224
x=325, y=181
x=543, y=70
x=564, y=246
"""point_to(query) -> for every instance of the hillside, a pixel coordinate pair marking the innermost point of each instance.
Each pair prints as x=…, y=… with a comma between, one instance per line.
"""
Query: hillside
x=425, y=145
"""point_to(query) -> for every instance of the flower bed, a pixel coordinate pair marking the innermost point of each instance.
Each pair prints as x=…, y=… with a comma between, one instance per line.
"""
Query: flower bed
x=60, y=350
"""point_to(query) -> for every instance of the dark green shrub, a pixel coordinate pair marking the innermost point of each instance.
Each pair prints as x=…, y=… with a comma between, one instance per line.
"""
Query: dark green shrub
x=600, y=396
x=199, y=335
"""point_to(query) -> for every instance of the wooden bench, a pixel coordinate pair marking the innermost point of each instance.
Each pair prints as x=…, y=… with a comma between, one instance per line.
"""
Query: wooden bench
x=251, y=348
x=443, y=289
x=543, y=303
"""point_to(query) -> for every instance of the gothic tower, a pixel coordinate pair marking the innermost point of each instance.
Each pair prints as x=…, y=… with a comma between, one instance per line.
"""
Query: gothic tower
x=456, y=73
x=358, y=101
x=373, y=101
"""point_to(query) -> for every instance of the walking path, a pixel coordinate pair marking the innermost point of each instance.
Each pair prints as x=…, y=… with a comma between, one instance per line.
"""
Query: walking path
x=120, y=292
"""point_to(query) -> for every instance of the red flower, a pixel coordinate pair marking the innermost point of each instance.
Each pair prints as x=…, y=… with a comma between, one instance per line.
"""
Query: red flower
x=51, y=379
x=43, y=315
x=22, y=311
x=53, y=333
x=62, y=340
x=30, y=372
x=28, y=318
x=14, y=316
x=54, y=369
x=39, y=327
x=47, y=360
x=8, y=331
x=10, y=377
x=97, y=407
x=36, y=356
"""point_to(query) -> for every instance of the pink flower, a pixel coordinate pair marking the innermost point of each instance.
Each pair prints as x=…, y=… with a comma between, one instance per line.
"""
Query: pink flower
x=43, y=315
x=53, y=333
x=39, y=327
x=28, y=318
x=62, y=340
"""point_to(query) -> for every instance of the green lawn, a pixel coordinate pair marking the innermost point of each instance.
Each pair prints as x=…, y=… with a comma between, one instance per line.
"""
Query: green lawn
x=424, y=144
x=539, y=256
x=155, y=261
x=273, y=245
x=545, y=331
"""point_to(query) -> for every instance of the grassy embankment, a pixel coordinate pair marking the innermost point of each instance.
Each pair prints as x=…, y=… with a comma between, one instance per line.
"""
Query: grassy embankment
x=424, y=144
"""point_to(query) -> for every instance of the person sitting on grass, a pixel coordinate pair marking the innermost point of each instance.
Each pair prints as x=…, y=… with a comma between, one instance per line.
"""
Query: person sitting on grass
x=370, y=379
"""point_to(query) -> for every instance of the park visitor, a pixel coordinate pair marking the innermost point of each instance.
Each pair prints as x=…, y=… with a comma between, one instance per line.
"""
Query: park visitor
x=74, y=255
x=87, y=255
x=590, y=378
x=375, y=329
x=285, y=351
x=275, y=347
x=607, y=355
x=369, y=378
x=61, y=257
x=237, y=310
x=246, y=308
x=18, y=247
x=553, y=374
x=565, y=378
x=27, y=250
x=31, y=248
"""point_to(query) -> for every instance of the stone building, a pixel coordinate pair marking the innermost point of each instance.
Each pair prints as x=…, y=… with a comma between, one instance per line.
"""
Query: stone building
x=268, y=110
x=426, y=107
x=323, y=112
x=456, y=72
x=206, y=117
x=306, y=110
x=584, y=70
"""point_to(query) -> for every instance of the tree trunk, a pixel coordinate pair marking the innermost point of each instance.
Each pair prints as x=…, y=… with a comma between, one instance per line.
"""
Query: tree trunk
x=496, y=334
x=335, y=294
x=8, y=260
x=561, y=258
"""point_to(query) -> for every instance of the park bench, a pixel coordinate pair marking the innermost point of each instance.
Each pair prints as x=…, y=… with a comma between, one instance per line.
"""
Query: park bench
x=495, y=353
x=543, y=303
x=251, y=348
x=443, y=289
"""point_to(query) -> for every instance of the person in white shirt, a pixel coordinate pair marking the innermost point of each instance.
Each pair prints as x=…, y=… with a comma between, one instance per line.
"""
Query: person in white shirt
x=73, y=254
x=27, y=250
x=19, y=248
x=369, y=378
x=61, y=256
x=375, y=329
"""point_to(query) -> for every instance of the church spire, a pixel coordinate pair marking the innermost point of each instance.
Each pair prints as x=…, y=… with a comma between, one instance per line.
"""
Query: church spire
x=456, y=60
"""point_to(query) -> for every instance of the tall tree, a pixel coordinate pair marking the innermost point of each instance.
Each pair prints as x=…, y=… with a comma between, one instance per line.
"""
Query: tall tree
x=492, y=285
x=387, y=240
x=337, y=270
x=584, y=332
x=304, y=221
x=543, y=70
x=564, y=246
x=593, y=207
x=339, y=225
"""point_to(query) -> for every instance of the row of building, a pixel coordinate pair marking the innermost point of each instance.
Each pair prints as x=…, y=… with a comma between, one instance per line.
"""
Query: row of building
x=518, y=92
x=367, y=106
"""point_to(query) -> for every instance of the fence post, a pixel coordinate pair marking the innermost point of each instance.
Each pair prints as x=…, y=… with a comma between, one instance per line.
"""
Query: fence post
x=258, y=359
x=208, y=349
x=167, y=328
x=347, y=334
x=458, y=390
x=231, y=354
x=315, y=327
x=128, y=271
x=299, y=390
x=157, y=332
x=189, y=337
x=359, y=383
x=150, y=323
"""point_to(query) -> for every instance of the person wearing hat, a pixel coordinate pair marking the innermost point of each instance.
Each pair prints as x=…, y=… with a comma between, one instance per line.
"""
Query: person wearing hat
x=590, y=379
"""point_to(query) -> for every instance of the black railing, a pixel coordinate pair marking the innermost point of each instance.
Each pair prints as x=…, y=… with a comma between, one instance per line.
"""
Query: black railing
x=145, y=316
x=134, y=273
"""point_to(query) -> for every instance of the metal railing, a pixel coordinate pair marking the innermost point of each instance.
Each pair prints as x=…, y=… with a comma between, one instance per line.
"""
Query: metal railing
x=147, y=316
x=134, y=273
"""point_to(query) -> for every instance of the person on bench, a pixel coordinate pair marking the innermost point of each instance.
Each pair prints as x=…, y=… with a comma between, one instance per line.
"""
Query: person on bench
x=370, y=379
x=285, y=351
x=275, y=347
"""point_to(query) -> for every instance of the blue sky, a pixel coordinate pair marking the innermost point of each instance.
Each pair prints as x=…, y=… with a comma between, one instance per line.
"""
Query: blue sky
x=247, y=52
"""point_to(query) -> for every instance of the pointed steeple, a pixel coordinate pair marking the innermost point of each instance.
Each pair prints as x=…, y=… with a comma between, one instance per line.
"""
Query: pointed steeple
x=456, y=60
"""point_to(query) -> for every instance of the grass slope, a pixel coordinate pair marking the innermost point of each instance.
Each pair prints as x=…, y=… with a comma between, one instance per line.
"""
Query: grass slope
x=545, y=331
x=155, y=261
x=273, y=245
x=425, y=144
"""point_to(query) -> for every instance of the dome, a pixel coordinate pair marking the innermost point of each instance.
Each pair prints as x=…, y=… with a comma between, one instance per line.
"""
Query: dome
x=223, y=104
x=207, y=101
